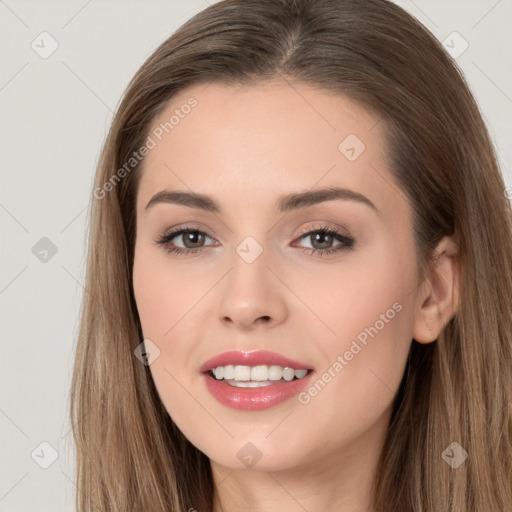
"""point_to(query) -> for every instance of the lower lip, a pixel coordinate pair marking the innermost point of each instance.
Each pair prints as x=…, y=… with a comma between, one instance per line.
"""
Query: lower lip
x=255, y=399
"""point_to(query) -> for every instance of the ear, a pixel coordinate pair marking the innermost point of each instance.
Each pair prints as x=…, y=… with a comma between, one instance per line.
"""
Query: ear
x=438, y=297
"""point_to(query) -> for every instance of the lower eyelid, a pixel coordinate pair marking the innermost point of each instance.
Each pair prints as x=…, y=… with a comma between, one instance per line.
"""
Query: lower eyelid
x=178, y=234
x=345, y=241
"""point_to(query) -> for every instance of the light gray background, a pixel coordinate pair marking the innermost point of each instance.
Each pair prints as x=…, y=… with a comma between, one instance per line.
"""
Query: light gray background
x=55, y=113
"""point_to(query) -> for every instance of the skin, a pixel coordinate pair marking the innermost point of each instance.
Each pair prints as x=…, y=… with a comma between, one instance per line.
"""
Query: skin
x=245, y=147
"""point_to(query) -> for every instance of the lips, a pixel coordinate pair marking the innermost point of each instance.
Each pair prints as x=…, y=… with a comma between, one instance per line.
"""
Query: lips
x=258, y=357
x=254, y=398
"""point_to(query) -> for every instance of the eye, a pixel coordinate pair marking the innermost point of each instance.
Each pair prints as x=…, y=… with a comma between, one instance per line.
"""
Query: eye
x=323, y=237
x=193, y=240
x=191, y=237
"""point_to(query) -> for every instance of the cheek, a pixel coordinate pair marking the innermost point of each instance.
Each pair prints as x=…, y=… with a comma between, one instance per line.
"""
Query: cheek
x=367, y=315
x=366, y=298
x=167, y=302
x=366, y=311
x=165, y=298
x=369, y=312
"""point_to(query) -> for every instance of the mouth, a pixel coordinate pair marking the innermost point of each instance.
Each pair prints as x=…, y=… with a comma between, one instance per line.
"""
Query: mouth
x=256, y=388
x=243, y=376
x=253, y=381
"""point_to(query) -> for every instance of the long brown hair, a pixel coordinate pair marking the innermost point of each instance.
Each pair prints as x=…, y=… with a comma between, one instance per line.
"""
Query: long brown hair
x=130, y=454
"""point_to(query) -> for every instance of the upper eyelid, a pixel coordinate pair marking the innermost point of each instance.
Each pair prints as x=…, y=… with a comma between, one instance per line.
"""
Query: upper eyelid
x=178, y=231
x=345, y=239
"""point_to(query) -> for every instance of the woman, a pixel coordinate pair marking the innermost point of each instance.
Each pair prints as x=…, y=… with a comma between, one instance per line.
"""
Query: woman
x=224, y=365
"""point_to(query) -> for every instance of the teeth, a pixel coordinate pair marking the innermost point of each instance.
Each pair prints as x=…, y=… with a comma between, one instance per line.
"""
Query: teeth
x=300, y=373
x=219, y=372
x=257, y=374
x=288, y=374
x=242, y=373
x=229, y=371
x=275, y=372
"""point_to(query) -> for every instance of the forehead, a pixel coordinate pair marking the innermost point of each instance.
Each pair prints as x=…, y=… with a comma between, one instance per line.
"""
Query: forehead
x=262, y=139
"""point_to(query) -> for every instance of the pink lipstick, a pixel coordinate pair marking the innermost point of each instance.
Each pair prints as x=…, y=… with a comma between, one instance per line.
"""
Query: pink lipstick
x=254, y=380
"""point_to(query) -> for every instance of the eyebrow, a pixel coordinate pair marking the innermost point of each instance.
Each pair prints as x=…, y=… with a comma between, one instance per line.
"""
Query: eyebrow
x=285, y=203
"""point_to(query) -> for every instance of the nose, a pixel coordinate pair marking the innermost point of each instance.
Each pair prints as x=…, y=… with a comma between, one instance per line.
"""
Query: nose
x=252, y=296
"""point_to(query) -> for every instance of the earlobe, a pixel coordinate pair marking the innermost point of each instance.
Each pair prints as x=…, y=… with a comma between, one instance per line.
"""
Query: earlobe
x=439, y=294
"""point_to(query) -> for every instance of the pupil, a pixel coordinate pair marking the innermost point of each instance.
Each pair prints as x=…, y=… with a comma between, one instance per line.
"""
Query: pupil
x=194, y=237
x=323, y=236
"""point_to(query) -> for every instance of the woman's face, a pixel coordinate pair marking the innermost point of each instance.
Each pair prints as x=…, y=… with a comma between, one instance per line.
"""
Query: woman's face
x=266, y=276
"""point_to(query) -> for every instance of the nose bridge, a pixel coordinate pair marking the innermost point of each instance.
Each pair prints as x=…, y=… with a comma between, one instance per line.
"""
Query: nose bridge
x=251, y=290
x=251, y=249
x=250, y=273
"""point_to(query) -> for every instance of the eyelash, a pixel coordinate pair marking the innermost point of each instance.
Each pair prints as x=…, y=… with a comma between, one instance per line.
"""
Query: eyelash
x=346, y=242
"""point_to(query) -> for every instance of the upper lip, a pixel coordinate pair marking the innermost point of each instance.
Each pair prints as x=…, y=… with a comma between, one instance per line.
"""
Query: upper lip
x=257, y=357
